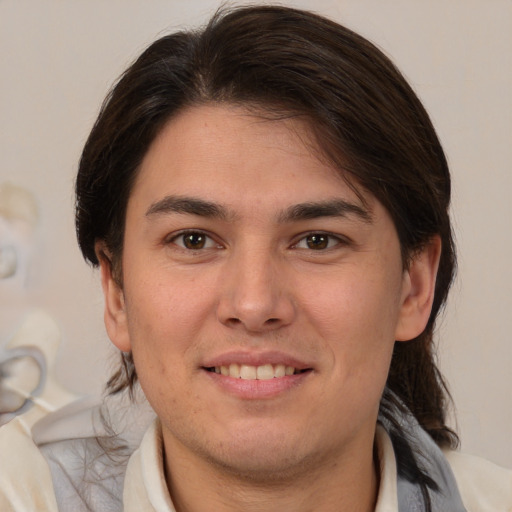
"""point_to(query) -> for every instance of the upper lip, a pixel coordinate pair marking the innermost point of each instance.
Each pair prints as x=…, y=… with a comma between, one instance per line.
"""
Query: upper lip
x=256, y=359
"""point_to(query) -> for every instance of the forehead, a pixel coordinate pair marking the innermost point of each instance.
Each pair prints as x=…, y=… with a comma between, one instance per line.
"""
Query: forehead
x=224, y=150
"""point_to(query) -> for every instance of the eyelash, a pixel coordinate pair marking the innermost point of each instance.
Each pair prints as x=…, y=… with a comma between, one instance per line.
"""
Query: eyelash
x=209, y=242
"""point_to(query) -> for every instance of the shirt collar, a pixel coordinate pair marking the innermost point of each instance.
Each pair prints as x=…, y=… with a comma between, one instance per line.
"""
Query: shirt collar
x=145, y=488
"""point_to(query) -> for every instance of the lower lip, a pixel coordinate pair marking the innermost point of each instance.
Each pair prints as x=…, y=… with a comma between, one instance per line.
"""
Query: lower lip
x=258, y=389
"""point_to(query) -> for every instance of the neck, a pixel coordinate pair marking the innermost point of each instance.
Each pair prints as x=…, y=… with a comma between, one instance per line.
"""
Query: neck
x=344, y=483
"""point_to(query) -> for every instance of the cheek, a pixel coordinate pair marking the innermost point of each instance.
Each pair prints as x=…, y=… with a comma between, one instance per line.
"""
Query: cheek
x=356, y=316
x=162, y=340
x=163, y=324
x=162, y=307
x=347, y=307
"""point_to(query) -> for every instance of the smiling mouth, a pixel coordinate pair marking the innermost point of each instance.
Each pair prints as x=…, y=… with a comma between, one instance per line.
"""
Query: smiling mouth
x=263, y=372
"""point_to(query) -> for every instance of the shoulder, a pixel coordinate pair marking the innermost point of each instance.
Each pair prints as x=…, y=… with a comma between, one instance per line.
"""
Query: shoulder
x=25, y=478
x=74, y=455
x=484, y=486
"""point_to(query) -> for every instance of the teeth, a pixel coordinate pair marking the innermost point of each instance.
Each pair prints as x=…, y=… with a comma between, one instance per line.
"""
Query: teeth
x=265, y=372
x=234, y=370
x=280, y=370
x=246, y=372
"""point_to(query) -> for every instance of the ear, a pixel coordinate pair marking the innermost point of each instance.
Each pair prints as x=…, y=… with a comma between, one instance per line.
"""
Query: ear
x=418, y=289
x=115, y=314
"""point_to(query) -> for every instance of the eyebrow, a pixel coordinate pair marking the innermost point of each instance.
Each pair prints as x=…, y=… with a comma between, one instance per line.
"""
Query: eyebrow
x=329, y=208
x=297, y=212
x=187, y=205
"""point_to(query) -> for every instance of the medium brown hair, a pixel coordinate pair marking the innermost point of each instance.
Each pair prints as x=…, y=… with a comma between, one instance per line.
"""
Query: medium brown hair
x=367, y=121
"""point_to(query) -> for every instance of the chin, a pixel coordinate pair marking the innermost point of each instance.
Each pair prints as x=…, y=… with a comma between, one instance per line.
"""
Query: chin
x=269, y=456
x=265, y=467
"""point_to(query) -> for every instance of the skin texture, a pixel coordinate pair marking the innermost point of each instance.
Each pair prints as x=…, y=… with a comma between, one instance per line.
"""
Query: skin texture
x=261, y=282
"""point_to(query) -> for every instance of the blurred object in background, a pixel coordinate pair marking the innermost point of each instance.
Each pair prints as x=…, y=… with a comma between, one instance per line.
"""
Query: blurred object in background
x=18, y=221
x=19, y=217
x=29, y=339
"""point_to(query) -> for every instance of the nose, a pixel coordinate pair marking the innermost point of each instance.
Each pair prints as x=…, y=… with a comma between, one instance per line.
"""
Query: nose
x=256, y=295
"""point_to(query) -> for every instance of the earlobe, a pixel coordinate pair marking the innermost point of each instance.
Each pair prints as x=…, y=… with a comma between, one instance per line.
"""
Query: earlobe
x=419, y=283
x=115, y=314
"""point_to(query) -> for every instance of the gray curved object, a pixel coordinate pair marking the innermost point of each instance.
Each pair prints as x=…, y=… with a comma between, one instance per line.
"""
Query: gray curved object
x=9, y=355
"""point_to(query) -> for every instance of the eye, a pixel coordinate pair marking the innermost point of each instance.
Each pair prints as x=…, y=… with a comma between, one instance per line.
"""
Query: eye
x=194, y=241
x=318, y=241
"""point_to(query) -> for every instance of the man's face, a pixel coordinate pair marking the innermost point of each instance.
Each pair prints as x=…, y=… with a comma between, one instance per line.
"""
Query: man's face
x=261, y=298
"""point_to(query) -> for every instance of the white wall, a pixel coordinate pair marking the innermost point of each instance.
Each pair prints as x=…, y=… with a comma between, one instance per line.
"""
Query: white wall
x=58, y=59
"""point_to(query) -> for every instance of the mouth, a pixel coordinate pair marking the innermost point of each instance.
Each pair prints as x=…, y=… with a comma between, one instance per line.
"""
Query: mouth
x=262, y=372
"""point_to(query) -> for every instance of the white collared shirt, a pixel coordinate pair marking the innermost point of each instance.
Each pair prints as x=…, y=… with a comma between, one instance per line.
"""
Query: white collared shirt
x=26, y=481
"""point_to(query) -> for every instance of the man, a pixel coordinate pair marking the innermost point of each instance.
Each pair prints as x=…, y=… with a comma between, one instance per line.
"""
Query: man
x=268, y=203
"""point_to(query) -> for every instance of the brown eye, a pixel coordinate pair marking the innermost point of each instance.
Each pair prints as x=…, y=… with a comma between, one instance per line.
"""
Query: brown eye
x=317, y=241
x=194, y=241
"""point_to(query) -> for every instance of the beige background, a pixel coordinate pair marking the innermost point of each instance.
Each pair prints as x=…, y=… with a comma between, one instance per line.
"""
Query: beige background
x=58, y=59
